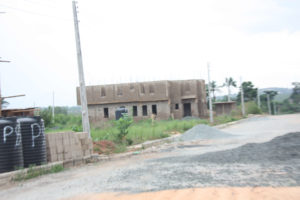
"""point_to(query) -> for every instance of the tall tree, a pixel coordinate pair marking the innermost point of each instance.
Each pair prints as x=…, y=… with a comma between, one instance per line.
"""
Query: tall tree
x=229, y=82
x=296, y=93
x=250, y=93
x=272, y=94
x=214, y=88
x=4, y=103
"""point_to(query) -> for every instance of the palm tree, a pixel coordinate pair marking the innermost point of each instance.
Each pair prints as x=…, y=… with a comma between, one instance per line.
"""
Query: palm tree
x=4, y=103
x=229, y=82
x=214, y=88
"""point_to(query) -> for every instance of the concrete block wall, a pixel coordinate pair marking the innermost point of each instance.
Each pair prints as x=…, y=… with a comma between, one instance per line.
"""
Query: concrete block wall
x=68, y=146
x=96, y=112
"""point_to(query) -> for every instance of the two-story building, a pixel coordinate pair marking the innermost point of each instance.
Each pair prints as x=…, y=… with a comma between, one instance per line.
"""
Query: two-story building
x=165, y=99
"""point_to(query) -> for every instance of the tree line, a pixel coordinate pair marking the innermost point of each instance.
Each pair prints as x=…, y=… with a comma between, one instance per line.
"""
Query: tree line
x=252, y=94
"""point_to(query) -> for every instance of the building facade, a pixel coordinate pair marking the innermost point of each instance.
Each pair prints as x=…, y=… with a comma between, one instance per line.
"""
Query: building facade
x=164, y=99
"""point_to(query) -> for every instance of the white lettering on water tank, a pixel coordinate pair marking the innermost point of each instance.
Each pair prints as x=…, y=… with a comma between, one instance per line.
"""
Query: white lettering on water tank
x=32, y=132
x=6, y=132
x=18, y=134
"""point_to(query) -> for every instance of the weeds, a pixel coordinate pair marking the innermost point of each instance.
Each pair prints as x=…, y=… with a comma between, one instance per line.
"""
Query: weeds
x=33, y=172
x=145, y=130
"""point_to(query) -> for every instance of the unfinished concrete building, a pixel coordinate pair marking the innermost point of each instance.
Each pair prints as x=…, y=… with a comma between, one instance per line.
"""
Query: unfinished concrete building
x=164, y=99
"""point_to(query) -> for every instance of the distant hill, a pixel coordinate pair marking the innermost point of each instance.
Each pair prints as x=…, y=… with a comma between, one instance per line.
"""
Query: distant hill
x=283, y=93
x=74, y=110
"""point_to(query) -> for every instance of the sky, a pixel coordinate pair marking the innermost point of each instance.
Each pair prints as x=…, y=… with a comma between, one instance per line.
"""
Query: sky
x=142, y=40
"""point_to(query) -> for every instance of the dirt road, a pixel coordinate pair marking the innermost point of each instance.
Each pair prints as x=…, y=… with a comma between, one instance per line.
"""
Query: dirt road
x=246, y=193
x=174, y=167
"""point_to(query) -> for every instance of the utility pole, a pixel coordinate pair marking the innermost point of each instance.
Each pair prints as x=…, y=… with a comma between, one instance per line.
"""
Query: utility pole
x=53, y=117
x=258, y=99
x=269, y=104
x=83, y=100
x=242, y=98
x=209, y=96
x=274, y=107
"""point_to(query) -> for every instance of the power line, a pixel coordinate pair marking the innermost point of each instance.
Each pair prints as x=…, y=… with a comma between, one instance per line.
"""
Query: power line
x=34, y=13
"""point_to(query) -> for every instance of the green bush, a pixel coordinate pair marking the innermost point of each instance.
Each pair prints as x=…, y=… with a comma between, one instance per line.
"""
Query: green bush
x=252, y=108
x=122, y=125
x=46, y=115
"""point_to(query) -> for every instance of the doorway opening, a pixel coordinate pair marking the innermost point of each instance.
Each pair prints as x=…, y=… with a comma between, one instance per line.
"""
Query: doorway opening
x=187, y=109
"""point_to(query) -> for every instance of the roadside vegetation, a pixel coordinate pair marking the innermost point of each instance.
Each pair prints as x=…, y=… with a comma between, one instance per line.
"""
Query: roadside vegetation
x=281, y=102
x=115, y=136
x=33, y=172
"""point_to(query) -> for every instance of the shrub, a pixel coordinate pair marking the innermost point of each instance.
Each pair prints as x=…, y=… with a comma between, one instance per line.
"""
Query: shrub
x=252, y=108
x=46, y=115
x=122, y=125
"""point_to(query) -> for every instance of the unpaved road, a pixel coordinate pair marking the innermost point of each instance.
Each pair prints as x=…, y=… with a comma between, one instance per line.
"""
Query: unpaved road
x=246, y=193
x=164, y=170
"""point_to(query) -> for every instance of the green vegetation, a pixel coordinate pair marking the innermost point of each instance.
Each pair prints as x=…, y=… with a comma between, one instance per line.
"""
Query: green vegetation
x=145, y=130
x=222, y=119
x=4, y=103
x=64, y=121
x=250, y=93
x=214, y=88
x=252, y=108
x=292, y=104
x=229, y=82
x=33, y=172
x=285, y=101
x=123, y=125
x=114, y=136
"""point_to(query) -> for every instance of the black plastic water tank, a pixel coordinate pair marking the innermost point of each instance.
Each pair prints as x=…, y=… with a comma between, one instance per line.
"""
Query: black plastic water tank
x=11, y=155
x=33, y=140
x=119, y=112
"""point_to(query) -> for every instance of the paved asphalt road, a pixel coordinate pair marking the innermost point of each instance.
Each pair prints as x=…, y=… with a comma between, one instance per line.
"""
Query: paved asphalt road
x=167, y=167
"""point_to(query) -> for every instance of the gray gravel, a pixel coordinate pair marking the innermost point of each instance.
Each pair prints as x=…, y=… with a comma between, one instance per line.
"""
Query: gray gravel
x=202, y=131
x=275, y=163
x=284, y=148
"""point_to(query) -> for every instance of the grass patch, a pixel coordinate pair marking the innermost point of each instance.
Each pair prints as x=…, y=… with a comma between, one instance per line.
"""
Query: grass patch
x=223, y=119
x=138, y=132
x=145, y=130
x=142, y=131
x=33, y=172
x=120, y=148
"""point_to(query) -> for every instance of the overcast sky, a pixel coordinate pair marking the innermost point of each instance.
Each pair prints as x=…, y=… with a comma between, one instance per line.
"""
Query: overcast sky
x=139, y=40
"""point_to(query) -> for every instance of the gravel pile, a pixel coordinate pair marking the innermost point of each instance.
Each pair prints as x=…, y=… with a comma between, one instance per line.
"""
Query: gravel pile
x=202, y=131
x=284, y=148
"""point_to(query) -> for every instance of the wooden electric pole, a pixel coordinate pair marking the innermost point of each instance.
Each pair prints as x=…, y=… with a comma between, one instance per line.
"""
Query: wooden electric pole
x=83, y=99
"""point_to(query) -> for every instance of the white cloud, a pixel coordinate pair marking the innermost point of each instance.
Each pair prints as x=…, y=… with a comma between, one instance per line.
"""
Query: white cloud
x=144, y=40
